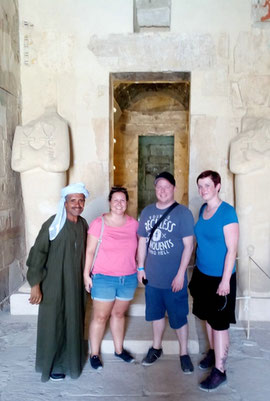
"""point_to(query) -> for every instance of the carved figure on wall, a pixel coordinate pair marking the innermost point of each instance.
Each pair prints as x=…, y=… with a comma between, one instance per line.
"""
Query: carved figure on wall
x=250, y=162
x=267, y=16
x=41, y=153
x=259, y=9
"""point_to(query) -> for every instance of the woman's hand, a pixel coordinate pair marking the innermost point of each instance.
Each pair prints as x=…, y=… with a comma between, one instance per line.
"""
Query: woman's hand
x=231, y=235
x=89, y=256
x=223, y=288
x=36, y=295
x=88, y=283
x=140, y=275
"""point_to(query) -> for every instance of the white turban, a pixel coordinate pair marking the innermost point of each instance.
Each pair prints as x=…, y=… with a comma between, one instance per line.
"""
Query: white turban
x=61, y=215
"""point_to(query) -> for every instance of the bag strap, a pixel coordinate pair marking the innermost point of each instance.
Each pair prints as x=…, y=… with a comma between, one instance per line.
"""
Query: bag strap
x=98, y=245
x=159, y=221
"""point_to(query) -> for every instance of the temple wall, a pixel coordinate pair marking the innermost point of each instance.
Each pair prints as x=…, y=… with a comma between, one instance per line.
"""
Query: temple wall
x=12, y=246
x=68, y=51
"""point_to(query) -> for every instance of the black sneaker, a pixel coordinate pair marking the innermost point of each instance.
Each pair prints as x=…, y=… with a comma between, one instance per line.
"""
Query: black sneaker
x=213, y=381
x=152, y=355
x=125, y=356
x=208, y=361
x=56, y=377
x=95, y=362
x=186, y=364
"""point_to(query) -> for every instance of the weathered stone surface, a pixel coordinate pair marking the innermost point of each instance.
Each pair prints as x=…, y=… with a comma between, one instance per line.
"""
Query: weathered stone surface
x=100, y=126
x=216, y=82
x=236, y=98
x=250, y=162
x=223, y=46
x=252, y=52
x=155, y=13
x=16, y=276
x=11, y=214
x=210, y=136
x=9, y=46
x=4, y=284
x=155, y=51
x=255, y=90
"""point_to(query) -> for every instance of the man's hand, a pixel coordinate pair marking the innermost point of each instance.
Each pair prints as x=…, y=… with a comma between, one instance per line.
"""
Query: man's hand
x=178, y=282
x=36, y=295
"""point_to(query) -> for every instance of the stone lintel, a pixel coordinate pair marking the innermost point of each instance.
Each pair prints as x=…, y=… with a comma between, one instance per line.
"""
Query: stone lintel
x=163, y=51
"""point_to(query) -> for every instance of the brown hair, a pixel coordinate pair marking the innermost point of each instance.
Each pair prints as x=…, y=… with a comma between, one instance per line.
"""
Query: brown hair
x=118, y=189
x=215, y=177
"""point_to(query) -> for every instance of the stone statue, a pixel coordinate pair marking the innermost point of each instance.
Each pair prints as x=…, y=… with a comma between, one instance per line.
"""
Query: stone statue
x=250, y=162
x=41, y=153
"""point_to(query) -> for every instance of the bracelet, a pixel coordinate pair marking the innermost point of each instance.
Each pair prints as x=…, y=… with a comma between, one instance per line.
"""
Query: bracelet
x=139, y=269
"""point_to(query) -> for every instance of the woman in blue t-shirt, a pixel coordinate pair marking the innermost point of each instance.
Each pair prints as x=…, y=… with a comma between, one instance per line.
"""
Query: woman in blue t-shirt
x=213, y=284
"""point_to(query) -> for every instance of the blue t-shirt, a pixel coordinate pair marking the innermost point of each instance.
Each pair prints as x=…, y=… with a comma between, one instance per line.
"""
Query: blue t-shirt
x=166, y=246
x=212, y=249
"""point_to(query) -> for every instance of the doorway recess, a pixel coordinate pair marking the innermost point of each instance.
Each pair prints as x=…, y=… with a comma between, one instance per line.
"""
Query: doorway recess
x=145, y=108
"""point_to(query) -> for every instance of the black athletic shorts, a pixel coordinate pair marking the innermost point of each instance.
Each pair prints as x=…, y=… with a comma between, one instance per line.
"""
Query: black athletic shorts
x=217, y=310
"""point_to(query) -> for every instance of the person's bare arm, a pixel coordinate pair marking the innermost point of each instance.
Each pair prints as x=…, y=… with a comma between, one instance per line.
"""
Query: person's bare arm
x=231, y=234
x=178, y=281
x=90, y=252
x=141, y=255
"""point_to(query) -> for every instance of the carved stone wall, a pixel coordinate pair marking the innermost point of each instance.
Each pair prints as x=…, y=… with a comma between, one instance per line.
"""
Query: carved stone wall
x=12, y=247
x=69, y=52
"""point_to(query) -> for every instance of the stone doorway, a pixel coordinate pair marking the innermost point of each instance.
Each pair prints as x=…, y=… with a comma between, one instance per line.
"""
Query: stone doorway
x=149, y=105
x=156, y=154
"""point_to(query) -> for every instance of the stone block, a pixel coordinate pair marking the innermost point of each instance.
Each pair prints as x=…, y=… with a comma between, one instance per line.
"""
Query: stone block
x=255, y=90
x=155, y=13
x=216, y=82
x=251, y=53
x=183, y=52
x=19, y=305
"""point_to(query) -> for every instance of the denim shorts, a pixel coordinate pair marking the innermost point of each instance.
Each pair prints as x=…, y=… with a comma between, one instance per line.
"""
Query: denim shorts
x=159, y=300
x=109, y=288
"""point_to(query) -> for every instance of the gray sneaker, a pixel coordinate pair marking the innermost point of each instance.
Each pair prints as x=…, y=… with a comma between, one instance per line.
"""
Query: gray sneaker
x=152, y=355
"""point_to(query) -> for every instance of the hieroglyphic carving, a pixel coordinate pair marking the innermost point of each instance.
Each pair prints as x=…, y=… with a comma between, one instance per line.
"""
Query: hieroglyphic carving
x=261, y=11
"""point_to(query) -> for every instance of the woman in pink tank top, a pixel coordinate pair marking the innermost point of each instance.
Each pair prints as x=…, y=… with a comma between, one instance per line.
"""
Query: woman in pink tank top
x=113, y=278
